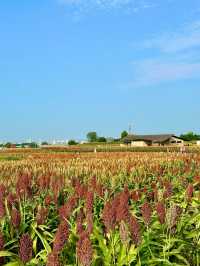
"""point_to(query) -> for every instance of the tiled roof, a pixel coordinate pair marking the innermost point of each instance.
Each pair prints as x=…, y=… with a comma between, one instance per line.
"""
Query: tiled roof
x=151, y=138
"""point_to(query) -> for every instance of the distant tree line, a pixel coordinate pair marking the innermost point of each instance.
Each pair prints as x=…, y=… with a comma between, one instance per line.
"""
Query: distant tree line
x=92, y=137
x=72, y=142
x=10, y=145
x=190, y=136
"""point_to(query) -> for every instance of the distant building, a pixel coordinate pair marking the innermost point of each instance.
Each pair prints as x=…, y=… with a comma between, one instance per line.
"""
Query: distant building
x=152, y=140
x=60, y=142
x=84, y=142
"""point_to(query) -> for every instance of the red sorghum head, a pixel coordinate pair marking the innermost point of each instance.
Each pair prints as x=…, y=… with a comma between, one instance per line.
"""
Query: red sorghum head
x=93, y=183
x=66, y=210
x=61, y=237
x=12, y=200
x=1, y=247
x=1, y=241
x=189, y=192
x=80, y=189
x=146, y=212
x=89, y=210
x=48, y=200
x=155, y=194
x=23, y=186
x=79, y=222
x=160, y=209
x=168, y=189
x=99, y=190
x=153, y=185
x=53, y=259
x=197, y=179
x=144, y=190
x=135, y=195
x=15, y=218
x=2, y=191
x=2, y=208
x=84, y=250
x=25, y=248
x=109, y=214
x=134, y=229
x=89, y=219
x=57, y=184
x=122, y=211
x=96, y=186
x=43, y=181
x=89, y=201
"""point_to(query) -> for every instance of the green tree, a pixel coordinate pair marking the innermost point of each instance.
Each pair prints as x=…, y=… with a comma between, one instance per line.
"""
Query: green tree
x=124, y=134
x=92, y=136
x=190, y=136
x=8, y=145
x=45, y=143
x=102, y=139
x=33, y=145
x=72, y=142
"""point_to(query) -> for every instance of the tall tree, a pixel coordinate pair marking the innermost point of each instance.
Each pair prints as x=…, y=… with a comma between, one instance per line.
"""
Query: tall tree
x=101, y=139
x=92, y=136
x=124, y=134
x=190, y=136
x=72, y=142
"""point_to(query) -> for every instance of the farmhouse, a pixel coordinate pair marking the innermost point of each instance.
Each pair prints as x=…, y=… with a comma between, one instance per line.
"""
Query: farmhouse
x=152, y=140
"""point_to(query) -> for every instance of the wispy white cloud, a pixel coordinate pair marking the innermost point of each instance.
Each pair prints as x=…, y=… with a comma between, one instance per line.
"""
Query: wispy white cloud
x=176, y=57
x=183, y=39
x=150, y=72
x=130, y=5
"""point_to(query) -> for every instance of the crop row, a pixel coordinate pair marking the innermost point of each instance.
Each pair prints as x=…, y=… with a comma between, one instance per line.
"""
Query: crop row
x=119, y=209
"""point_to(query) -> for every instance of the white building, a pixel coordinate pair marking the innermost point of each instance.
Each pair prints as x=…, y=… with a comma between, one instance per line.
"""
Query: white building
x=153, y=140
x=60, y=142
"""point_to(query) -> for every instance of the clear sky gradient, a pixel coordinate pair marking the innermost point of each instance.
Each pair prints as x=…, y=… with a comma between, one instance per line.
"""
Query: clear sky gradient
x=71, y=66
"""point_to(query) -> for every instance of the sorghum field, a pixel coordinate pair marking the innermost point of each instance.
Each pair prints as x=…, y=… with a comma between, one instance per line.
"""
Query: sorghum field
x=107, y=209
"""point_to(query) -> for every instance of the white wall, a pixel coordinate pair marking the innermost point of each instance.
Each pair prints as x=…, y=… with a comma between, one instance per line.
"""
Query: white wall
x=176, y=141
x=138, y=144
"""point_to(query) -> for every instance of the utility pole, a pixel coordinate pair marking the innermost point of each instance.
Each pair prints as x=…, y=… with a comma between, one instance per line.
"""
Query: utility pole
x=130, y=129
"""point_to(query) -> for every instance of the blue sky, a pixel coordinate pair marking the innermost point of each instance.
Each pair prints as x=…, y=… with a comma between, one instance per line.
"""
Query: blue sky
x=71, y=66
